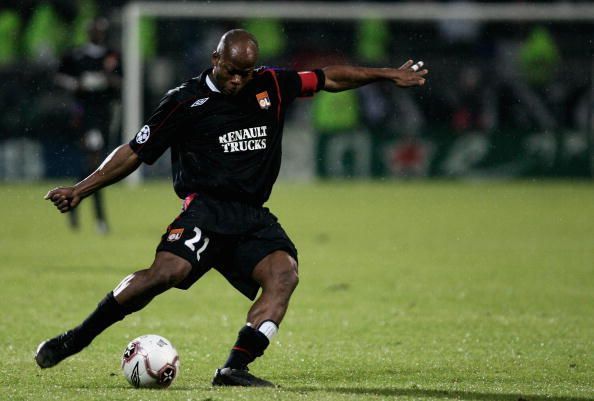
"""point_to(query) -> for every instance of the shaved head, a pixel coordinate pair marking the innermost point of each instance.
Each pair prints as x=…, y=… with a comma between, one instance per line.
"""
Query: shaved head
x=238, y=42
x=233, y=61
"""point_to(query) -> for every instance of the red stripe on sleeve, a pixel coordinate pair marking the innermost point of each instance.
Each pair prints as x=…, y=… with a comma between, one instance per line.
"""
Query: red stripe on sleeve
x=278, y=93
x=309, y=82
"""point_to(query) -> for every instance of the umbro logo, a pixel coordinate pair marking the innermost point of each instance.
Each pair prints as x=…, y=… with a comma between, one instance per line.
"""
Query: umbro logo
x=199, y=102
x=135, y=377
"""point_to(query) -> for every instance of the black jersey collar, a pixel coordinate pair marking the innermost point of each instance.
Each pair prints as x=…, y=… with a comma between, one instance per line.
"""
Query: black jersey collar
x=211, y=85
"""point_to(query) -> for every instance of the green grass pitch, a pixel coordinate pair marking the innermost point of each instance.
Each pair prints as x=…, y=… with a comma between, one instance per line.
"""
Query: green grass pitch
x=409, y=291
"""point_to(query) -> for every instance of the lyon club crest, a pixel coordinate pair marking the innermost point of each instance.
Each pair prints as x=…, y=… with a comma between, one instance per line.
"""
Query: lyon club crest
x=264, y=100
x=175, y=234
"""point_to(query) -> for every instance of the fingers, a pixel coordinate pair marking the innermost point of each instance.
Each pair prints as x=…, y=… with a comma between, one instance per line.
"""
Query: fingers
x=60, y=202
x=406, y=65
x=49, y=193
x=416, y=67
x=419, y=74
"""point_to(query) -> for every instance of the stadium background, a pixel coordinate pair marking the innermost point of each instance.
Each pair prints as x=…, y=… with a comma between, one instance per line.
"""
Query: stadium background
x=504, y=99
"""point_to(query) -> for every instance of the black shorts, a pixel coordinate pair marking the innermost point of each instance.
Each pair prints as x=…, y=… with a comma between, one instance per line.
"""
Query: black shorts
x=233, y=255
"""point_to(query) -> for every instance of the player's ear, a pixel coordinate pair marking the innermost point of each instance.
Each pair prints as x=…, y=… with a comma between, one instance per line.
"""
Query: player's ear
x=215, y=58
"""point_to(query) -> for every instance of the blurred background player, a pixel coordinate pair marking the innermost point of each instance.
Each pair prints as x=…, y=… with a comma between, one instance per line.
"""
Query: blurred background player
x=92, y=74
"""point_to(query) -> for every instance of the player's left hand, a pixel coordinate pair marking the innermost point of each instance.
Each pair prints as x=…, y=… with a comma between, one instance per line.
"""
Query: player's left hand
x=410, y=74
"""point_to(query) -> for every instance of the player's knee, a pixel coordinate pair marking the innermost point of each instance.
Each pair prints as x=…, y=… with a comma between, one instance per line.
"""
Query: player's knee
x=277, y=273
x=168, y=270
x=286, y=275
x=293, y=276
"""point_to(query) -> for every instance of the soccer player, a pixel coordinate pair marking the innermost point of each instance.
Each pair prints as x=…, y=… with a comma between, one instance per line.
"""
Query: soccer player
x=224, y=129
x=92, y=74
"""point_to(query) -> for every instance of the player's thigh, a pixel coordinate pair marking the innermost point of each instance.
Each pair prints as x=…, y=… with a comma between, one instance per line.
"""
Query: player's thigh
x=197, y=246
x=253, y=249
x=169, y=269
x=278, y=270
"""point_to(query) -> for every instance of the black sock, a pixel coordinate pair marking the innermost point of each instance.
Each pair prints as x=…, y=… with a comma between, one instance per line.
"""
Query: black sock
x=108, y=312
x=250, y=344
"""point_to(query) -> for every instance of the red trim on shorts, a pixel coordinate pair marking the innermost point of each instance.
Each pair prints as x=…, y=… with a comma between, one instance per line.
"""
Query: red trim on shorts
x=309, y=82
x=187, y=200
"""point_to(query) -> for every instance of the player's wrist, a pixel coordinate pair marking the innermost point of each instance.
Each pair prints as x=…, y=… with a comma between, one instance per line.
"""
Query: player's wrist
x=389, y=73
x=81, y=191
x=76, y=192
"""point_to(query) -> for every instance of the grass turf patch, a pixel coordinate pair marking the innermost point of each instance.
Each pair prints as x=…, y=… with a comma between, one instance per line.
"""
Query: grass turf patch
x=416, y=290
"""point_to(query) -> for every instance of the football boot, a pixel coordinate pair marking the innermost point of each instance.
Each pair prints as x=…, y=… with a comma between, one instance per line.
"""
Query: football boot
x=238, y=377
x=53, y=351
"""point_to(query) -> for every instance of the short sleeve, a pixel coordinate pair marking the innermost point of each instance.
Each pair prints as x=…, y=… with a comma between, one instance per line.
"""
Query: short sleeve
x=159, y=131
x=294, y=84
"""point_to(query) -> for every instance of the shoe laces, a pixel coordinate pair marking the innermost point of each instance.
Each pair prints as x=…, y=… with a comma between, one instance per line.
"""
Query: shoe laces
x=66, y=339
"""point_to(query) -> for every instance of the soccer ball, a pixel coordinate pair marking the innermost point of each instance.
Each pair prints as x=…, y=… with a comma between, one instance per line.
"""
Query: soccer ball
x=150, y=361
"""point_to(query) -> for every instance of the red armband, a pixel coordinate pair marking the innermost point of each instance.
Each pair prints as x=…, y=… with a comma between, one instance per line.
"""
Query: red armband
x=309, y=83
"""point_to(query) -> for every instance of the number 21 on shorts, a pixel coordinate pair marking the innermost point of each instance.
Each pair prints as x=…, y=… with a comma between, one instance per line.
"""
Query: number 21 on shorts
x=192, y=242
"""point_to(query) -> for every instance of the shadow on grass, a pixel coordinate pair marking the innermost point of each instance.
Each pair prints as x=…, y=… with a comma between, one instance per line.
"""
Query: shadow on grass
x=445, y=394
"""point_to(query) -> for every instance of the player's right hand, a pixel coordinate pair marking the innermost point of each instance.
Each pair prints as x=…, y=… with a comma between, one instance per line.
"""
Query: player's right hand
x=410, y=74
x=64, y=198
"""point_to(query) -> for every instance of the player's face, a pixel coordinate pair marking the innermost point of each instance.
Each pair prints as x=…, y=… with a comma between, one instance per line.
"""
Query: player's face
x=232, y=73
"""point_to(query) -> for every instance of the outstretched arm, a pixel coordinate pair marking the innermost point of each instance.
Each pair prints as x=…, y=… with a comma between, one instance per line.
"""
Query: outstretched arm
x=343, y=77
x=120, y=163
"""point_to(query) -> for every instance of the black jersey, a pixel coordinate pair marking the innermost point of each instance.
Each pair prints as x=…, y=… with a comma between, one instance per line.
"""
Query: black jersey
x=90, y=64
x=225, y=147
